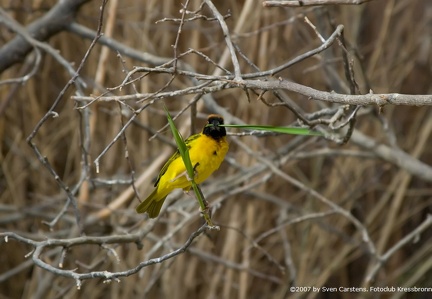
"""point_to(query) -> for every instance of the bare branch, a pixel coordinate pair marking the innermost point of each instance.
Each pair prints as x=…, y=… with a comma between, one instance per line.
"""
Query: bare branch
x=227, y=36
x=332, y=97
x=394, y=156
x=336, y=208
x=52, y=113
x=113, y=44
x=272, y=187
x=39, y=246
x=415, y=234
x=55, y=21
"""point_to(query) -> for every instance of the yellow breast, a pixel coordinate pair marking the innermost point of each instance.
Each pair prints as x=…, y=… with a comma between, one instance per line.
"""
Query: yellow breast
x=206, y=155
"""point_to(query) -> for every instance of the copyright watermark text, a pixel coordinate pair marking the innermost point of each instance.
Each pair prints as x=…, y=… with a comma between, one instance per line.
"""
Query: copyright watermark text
x=388, y=289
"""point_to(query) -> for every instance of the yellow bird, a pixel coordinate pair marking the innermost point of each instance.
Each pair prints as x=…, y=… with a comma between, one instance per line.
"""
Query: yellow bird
x=207, y=150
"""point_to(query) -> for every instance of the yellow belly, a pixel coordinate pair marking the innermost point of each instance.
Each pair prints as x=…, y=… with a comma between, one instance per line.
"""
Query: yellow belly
x=206, y=155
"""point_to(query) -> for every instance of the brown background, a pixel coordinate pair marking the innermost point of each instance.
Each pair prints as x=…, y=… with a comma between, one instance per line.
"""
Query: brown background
x=272, y=233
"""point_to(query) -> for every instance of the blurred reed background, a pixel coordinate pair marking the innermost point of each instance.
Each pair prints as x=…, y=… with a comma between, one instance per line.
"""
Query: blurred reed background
x=273, y=234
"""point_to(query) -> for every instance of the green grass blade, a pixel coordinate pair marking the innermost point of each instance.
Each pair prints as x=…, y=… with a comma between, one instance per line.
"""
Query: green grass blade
x=278, y=129
x=184, y=151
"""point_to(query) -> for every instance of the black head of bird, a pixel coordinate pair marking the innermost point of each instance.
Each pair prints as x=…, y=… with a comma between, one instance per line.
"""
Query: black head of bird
x=213, y=128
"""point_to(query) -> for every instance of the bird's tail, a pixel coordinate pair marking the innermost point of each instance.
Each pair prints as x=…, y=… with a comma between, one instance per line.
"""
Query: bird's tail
x=152, y=204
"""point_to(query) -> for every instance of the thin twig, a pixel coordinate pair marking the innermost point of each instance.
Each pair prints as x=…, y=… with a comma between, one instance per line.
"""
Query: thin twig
x=52, y=113
x=39, y=246
x=401, y=243
x=228, y=41
x=333, y=97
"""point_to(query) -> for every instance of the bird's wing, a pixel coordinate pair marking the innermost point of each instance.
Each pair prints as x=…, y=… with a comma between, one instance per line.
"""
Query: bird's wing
x=175, y=156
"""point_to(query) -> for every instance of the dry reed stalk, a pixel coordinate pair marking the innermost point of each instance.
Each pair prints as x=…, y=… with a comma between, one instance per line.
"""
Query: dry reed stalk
x=323, y=250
